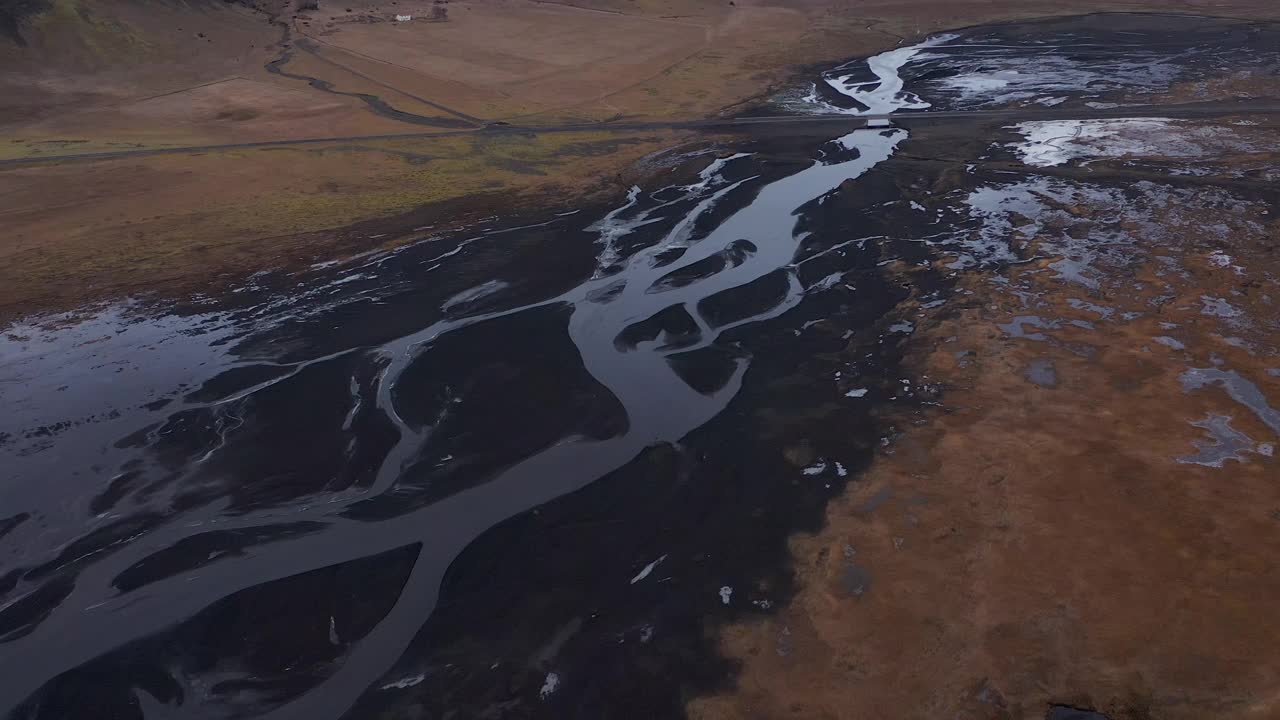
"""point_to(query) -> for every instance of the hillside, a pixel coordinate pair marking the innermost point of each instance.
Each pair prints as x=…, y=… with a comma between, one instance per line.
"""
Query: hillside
x=80, y=77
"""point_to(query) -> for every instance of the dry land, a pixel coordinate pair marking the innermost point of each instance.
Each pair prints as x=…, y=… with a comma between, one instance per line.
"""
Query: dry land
x=1087, y=514
x=120, y=75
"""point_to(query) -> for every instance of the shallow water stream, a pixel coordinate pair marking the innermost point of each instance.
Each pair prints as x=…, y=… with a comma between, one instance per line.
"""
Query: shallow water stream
x=514, y=470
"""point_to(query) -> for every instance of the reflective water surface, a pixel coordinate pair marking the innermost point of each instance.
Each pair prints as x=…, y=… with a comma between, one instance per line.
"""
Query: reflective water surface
x=510, y=471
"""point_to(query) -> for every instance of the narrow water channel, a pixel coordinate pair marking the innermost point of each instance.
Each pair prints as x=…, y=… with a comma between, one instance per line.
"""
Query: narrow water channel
x=290, y=506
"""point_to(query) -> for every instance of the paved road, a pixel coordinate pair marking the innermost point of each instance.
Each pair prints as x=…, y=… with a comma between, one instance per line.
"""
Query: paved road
x=1189, y=110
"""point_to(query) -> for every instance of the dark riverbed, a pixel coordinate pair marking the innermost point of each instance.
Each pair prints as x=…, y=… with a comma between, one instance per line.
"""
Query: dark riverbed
x=525, y=469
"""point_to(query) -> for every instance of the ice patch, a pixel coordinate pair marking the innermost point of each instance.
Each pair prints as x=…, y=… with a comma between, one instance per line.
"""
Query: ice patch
x=473, y=294
x=617, y=224
x=1032, y=215
x=856, y=393
x=826, y=283
x=884, y=94
x=1042, y=372
x=1101, y=311
x=647, y=569
x=1224, y=443
x=1238, y=387
x=1240, y=343
x=976, y=84
x=404, y=682
x=549, y=686
x=982, y=78
x=350, y=278
x=726, y=594
x=1056, y=142
x=1218, y=307
x=1014, y=328
x=710, y=175
x=817, y=468
x=994, y=207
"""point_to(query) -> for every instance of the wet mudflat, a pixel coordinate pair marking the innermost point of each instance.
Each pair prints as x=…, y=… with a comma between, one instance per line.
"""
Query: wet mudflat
x=531, y=468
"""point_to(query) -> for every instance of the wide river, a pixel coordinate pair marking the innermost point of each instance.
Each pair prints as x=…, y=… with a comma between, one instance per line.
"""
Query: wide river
x=511, y=470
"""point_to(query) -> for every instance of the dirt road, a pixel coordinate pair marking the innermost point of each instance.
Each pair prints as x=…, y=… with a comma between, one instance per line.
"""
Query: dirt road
x=781, y=122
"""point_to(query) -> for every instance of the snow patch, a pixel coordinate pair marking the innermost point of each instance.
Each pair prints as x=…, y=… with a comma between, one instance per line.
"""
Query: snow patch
x=549, y=686
x=1056, y=142
x=403, y=683
x=647, y=569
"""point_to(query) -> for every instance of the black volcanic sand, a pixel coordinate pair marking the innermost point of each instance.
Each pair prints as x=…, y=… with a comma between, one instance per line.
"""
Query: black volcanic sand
x=719, y=504
x=248, y=520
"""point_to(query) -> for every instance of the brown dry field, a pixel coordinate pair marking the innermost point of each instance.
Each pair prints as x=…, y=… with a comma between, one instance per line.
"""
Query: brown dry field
x=124, y=74
x=175, y=226
x=1038, y=541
